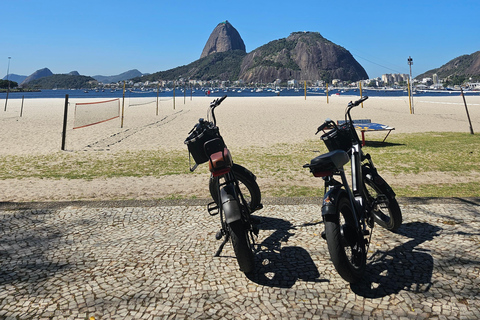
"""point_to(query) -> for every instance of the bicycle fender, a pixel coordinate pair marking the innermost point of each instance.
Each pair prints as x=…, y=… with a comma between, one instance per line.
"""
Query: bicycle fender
x=330, y=199
x=379, y=181
x=230, y=205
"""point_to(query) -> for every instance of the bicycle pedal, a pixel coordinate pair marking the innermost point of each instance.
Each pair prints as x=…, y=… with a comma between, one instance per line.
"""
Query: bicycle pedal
x=219, y=235
x=212, y=208
x=259, y=207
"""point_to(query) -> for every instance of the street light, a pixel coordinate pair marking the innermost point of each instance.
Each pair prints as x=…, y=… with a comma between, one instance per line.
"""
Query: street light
x=410, y=62
x=8, y=90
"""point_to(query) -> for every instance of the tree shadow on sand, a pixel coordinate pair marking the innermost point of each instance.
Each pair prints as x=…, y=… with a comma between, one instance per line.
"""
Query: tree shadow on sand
x=278, y=266
x=405, y=267
x=25, y=243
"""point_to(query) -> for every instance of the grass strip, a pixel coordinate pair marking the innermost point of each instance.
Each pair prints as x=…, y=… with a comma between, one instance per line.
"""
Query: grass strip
x=452, y=153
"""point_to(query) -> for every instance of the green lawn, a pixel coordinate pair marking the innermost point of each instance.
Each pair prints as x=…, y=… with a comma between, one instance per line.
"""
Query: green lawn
x=453, y=154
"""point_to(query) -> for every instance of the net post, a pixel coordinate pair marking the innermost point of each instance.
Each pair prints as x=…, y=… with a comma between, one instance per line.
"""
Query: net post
x=158, y=88
x=361, y=93
x=65, y=116
x=174, y=85
x=123, y=105
x=409, y=98
x=21, y=109
x=466, y=109
x=327, y=93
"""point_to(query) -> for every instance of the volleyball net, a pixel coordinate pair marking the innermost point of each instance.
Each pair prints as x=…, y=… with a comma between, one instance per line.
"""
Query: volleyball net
x=91, y=113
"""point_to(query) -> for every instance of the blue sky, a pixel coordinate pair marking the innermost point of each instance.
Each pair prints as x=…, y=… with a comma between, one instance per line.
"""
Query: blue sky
x=106, y=37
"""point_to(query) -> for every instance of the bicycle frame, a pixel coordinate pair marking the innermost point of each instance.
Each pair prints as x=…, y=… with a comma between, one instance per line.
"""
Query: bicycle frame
x=207, y=145
x=356, y=191
x=350, y=211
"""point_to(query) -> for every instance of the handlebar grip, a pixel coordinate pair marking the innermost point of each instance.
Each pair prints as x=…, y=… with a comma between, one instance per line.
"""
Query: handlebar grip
x=356, y=103
x=222, y=98
x=323, y=125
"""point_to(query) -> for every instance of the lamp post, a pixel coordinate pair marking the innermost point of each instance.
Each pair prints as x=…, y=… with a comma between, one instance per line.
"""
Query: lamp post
x=8, y=90
x=410, y=62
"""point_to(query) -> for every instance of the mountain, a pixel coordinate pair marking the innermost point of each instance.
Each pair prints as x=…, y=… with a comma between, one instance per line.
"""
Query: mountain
x=216, y=66
x=301, y=56
x=465, y=66
x=222, y=39
x=74, y=73
x=45, y=72
x=123, y=76
x=63, y=81
x=15, y=77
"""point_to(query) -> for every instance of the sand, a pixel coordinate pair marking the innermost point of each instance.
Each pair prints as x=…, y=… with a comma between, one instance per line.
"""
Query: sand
x=247, y=121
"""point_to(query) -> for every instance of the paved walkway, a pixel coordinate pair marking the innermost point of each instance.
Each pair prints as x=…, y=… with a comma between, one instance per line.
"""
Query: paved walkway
x=154, y=260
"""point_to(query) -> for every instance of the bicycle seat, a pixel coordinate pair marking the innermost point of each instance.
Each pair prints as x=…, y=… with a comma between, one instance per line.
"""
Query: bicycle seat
x=328, y=161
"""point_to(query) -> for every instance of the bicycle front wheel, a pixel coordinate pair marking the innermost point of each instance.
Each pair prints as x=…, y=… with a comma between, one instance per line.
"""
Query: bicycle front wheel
x=248, y=186
x=386, y=211
x=345, y=245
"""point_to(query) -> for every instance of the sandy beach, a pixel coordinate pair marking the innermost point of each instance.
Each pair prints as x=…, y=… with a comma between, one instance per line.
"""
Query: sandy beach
x=247, y=121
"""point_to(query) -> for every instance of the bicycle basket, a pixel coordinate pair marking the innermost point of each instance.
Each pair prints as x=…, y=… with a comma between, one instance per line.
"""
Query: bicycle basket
x=196, y=140
x=338, y=138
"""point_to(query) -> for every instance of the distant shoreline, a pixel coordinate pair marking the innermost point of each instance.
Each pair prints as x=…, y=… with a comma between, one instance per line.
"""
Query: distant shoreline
x=20, y=90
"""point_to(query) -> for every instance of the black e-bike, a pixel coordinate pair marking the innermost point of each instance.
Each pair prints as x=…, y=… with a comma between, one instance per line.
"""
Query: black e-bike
x=233, y=188
x=349, y=213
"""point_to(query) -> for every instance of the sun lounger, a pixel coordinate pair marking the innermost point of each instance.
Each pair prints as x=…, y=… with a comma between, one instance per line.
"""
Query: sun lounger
x=365, y=125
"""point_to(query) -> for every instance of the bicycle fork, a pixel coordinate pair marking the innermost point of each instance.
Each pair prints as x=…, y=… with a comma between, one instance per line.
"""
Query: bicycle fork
x=231, y=208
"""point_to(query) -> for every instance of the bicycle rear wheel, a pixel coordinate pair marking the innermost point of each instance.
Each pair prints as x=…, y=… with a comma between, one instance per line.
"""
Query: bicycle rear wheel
x=242, y=246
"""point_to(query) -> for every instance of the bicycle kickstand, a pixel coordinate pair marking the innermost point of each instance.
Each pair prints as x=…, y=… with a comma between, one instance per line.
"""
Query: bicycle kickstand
x=224, y=242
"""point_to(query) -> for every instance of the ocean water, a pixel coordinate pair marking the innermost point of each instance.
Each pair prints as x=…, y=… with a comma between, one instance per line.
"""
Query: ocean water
x=220, y=92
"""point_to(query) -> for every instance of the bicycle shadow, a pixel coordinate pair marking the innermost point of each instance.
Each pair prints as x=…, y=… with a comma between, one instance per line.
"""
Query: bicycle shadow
x=405, y=267
x=278, y=266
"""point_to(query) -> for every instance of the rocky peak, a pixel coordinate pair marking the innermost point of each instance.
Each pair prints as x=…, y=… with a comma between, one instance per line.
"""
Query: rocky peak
x=223, y=38
x=45, y=72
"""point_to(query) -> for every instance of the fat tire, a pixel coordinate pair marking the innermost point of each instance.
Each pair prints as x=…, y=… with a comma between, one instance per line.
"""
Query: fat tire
x=350, y=268
x=241, y=246
x=393, y=219
x=245, y=177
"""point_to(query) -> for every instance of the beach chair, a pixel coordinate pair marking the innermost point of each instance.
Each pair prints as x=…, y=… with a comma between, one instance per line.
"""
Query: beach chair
x=365, y=125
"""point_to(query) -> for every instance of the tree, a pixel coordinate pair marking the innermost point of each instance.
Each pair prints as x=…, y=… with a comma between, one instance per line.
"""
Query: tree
x=4, y=84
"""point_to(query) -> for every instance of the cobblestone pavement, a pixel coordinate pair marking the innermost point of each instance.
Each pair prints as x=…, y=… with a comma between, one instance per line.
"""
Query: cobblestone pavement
x=153, y=260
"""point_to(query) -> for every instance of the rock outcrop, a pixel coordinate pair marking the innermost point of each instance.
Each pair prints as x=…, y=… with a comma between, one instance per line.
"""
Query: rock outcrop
x=301, y=56
x=223, y=38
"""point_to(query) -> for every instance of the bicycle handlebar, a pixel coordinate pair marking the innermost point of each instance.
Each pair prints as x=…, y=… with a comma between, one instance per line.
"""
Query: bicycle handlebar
x=215, y=103
x=347, y=113
x=324, y=125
